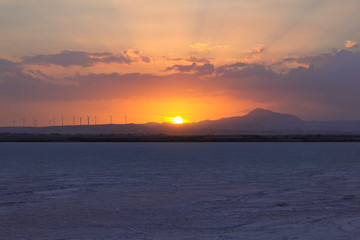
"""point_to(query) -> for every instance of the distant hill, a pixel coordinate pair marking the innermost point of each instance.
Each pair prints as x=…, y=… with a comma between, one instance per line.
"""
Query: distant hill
x=258, y=121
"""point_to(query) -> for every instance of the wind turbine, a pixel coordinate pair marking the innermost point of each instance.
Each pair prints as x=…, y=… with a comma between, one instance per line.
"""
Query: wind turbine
x=88, y=120
x=62, y=121
x=80, y=120
x=95, y=120
x=14, y=123
x=35, y=122
x=23, y=120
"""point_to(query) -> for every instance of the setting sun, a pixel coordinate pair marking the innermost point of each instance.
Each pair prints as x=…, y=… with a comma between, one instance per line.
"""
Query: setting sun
x=178, y=120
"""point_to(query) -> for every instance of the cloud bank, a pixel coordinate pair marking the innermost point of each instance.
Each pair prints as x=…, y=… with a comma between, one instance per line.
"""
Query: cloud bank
x=193, y=68
x=329, y=80
x=85, y=59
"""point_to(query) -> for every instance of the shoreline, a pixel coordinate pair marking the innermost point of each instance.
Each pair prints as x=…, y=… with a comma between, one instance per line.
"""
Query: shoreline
x=11, y=137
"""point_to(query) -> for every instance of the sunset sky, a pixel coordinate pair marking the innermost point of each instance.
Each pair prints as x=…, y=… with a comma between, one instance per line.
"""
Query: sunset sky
x=200, y=59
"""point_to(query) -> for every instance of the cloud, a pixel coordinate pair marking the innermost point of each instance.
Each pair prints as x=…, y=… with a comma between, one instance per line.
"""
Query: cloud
x=231, y=67
x=316, y=61
x=192, y=59
x=182, y=68
x=350, y=44
x=332, y=84
x=257, y=50
x=206, y=69
x=201, y=47
x=85, y=59
x=145, y=59
x=330, y=80
x=197, y=60
x=253, y=55
x=193, y=68
x=9, y=67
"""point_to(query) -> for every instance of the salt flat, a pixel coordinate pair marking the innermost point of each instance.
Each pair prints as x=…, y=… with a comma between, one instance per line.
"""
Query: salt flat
x=179, y=191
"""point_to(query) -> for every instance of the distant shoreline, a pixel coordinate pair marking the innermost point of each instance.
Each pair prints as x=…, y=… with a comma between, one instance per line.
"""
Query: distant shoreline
x=11, y=137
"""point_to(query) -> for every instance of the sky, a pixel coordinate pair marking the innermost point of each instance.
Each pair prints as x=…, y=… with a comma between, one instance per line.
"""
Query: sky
x=147, y=61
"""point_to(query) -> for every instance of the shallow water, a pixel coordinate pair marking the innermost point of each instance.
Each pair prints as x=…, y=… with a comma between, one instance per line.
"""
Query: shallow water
x=179, y=191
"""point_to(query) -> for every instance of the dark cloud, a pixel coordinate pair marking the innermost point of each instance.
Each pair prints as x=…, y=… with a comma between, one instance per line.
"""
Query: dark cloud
x=182, y=68
x=315, y=60
x=9, y=67
x=96, y=87
x=191, y=59
x=197, y=60
x=11, y=72
x=231, y=67
x=145, y=59
x=84, y=59
x=335, y=83
x=206, y=69
x=193, y=68
x=172, y=59
x=330, y=80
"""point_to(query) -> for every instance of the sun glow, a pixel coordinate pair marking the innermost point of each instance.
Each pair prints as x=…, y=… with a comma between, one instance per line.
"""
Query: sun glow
x=178, y=120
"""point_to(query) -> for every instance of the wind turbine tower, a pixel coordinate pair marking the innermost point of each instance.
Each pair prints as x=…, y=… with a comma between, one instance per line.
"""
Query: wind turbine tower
x=88, y=120
x=62, y=121
x=80, y=120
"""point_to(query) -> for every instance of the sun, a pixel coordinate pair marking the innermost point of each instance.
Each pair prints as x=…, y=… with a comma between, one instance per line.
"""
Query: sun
x=178, y=120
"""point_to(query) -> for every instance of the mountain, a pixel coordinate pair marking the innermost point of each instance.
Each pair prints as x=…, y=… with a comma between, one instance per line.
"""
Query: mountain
x=261, y=121
x=258, y=121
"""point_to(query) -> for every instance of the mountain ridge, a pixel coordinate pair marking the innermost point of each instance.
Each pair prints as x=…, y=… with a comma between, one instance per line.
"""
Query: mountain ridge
x=258, y=121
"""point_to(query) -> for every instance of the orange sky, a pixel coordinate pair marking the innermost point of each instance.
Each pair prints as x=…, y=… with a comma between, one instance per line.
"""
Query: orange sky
x=197, y=59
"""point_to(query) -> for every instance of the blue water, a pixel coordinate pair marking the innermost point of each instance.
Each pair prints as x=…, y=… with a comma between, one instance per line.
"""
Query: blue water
x=179, y=190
